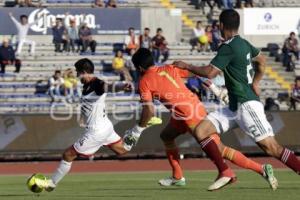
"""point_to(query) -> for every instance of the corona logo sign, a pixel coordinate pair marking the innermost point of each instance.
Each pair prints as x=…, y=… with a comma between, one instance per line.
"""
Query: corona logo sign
x=46, y=20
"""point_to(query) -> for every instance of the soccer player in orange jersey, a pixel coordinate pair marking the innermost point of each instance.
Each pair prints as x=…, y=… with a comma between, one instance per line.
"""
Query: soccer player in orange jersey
x=166, y=85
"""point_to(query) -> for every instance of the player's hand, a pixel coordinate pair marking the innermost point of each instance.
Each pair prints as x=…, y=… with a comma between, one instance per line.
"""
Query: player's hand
x=256, y=88
x=181, y=64
x=10, y=14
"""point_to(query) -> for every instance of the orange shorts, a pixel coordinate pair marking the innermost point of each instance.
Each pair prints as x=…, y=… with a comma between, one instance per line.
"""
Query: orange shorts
x=190, y=123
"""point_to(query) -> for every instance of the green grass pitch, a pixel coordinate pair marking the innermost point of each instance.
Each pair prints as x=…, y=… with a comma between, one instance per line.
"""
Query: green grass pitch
x=143, y=186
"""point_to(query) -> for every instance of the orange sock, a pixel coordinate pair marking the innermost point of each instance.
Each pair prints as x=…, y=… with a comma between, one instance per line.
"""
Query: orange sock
x=173, y=157
x=241, y=160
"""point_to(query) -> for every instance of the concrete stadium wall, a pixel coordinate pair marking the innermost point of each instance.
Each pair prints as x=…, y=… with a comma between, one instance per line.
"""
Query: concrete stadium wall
x=171, y=25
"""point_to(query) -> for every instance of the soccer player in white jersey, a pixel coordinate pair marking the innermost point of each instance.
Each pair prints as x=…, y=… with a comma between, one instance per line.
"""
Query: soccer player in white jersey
x=99, y=129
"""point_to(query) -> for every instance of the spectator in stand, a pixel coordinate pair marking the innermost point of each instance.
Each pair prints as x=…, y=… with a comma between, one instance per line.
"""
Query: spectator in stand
x=208, y=33
x=98, y=4
x=86, y=39
x=246, y=3
x=290, y=47
x=295, y=96
x=271, y=105
x=227, y=4
x=56, y=83
x=216, y=36
x=73, y=36
x=130, y=66
x=159, y=47
x=58, y=32
x=210, y=3
x=118, y=65
x=145, y=39
x=23, y=28
x=198, y=31
x=131, y=41
x=28, y=3
x=111, y=4
x=71, y=87
x=7, y=57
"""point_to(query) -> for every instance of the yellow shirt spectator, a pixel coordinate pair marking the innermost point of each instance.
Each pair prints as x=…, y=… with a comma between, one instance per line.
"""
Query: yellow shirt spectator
x=70, y=82
x=118, y=63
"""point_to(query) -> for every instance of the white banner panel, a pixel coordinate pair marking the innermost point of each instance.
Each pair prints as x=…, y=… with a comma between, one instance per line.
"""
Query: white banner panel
x=10, y=128
x=271, y=21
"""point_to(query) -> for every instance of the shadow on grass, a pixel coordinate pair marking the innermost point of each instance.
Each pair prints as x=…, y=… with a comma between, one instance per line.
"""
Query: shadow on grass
x=98, y=196
x=19, y=195
x=141, y=189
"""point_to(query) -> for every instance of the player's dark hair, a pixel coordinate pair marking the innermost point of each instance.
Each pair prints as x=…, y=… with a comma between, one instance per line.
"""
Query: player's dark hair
x=84, y=65
x=23, y=16
x=230, y=19
x=130, y=28
x=143, y=58
x=57, y=72
x=147, y=29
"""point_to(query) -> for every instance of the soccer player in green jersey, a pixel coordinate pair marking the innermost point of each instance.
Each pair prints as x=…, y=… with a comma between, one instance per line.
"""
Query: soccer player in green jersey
x=234, y=58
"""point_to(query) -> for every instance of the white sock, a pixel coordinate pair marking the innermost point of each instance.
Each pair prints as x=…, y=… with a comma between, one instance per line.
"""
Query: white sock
x=63, y=168
x=137, y=131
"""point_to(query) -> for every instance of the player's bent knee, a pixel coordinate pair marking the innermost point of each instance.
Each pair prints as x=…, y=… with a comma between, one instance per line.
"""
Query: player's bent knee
x=70, y=154
x=271, y=147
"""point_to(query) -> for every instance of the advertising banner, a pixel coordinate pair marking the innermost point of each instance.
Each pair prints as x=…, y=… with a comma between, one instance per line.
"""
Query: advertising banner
x=271, y=21
x=101, y=21
x=44, y=135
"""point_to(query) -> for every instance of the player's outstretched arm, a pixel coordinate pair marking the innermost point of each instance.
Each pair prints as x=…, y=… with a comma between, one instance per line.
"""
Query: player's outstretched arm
x=208, y=71
x=147, y=114
x=132, y=135
x=259, y=73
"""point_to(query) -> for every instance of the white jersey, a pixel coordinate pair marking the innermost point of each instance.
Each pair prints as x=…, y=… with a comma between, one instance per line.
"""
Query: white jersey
x=93, y=105
x=100, y=131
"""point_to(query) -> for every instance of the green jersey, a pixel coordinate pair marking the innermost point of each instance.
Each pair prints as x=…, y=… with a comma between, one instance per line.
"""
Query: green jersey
x=234, y=58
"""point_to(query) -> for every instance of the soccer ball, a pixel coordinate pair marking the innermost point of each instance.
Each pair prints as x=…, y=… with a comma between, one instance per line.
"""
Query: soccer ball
x=31, y=183
x=203, y=39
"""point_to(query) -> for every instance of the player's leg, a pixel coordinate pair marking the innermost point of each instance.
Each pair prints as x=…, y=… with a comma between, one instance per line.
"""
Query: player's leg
x=168, y=136
x=115, y=142
x=118, y=147
x=217, y=122
x=86, y=146
x=286, y=156
x=237, y=157
x=63, y=168
x=255, y=124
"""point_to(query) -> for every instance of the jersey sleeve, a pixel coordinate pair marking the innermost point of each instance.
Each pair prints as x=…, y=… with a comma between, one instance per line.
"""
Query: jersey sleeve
x=99, y=87
x=254, y=51
x=223, y=57
x=144, y=90
x=182, y=72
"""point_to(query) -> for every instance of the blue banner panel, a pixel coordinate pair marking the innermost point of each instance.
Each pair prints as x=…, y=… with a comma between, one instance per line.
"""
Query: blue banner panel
x=101, y=21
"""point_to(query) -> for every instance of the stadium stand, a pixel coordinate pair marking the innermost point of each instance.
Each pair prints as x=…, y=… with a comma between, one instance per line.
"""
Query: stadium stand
x=19, y=92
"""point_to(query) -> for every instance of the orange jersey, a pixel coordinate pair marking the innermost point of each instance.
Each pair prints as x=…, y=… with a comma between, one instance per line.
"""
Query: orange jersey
x=166, y=85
